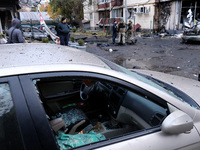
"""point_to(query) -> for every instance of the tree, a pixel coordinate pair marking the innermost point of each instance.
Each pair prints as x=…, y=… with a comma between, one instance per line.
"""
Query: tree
x=71, y=9
x=53, y=14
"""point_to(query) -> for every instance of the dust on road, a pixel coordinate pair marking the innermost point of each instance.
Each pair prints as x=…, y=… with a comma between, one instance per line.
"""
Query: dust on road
x=167, y=55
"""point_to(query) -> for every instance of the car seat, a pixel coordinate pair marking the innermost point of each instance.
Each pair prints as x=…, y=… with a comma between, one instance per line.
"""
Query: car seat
x=74, y=118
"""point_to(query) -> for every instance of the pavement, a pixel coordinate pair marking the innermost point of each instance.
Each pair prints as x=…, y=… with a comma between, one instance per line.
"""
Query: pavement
x=168, y=55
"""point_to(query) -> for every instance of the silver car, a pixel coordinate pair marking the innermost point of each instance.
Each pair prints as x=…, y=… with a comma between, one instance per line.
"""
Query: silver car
x=34, y=32
x=57, y=97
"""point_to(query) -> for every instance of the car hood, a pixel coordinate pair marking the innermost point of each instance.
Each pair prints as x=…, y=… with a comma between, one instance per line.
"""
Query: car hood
x=189, y=86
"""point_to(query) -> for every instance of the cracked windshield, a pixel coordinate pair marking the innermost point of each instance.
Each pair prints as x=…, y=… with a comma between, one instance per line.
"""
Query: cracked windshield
x=99, y=70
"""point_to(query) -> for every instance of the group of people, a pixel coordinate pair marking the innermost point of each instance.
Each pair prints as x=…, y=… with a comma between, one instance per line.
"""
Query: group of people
x=16, y=35
x=63, y=32
x=122, y=29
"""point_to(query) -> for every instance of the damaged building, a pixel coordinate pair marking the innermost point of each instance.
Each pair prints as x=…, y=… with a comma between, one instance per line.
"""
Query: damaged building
x=8, y=10
x=149, y=14
x=173, y=14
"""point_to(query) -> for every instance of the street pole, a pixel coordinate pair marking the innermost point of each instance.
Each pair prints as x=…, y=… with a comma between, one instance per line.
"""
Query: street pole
x=125, y=11
x=1, y=30
x=195, y=11
x=134, y=25
x=150, y=28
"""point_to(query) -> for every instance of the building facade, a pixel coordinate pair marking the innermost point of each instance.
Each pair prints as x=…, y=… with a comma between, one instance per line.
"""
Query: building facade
x=173, y=14
x=149, y=14
x=104, y=12
x=8, y=10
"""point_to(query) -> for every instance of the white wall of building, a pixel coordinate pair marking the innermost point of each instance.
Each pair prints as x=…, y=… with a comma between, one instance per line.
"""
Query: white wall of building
x=91, y=14
x=145, y=19
x=139, y=2
x=143, y=12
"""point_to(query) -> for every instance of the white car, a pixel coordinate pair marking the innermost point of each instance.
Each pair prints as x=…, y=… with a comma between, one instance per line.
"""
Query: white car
x=57, y=97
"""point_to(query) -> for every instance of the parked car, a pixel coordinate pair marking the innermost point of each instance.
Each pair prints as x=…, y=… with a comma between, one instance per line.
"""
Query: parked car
x=56, y=97
x=36, y=32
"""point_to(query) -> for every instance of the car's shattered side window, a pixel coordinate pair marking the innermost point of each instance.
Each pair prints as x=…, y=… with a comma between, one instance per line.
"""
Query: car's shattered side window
x=83, y=111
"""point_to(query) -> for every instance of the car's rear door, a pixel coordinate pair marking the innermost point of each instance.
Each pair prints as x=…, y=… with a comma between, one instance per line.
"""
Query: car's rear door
x=16, y=126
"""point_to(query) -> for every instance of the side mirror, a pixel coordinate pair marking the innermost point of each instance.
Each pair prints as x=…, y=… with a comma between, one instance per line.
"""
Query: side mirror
x=177, y=122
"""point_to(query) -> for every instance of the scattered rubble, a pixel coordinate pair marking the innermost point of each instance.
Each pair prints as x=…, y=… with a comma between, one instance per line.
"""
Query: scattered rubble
x=159, y=54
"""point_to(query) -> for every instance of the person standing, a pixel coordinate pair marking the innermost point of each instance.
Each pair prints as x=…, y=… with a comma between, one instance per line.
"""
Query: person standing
x=63, y=32
x=129, y=30
x=114, y=31
x=121, y=29
x=15, y=33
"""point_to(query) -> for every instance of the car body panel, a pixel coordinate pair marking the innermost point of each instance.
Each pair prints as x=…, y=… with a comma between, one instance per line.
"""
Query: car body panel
x=158, y=141
x=197, y=125
x=193, y=37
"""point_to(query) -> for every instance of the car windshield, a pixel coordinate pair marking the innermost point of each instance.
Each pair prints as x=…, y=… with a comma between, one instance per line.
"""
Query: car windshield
x=155, y=83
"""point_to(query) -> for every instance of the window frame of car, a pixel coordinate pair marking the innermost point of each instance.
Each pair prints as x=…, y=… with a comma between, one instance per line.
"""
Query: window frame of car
x=28, y=139
x=31, y=94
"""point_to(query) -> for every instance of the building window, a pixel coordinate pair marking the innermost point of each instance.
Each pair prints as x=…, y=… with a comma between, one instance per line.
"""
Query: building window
x=91, y=16
x=104, y=14
x=103, y=1
x=90, y=2
x=116, y=13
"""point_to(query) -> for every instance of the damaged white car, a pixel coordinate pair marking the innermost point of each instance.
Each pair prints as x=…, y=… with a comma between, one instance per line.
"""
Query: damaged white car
x=57, y=97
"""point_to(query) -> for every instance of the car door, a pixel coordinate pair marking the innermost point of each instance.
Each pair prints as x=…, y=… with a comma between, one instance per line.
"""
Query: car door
x=149, y=136
x=16, y=127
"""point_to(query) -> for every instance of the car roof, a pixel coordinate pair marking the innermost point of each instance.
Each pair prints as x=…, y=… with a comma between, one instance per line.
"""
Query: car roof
x=41, y=54
x=26, y=58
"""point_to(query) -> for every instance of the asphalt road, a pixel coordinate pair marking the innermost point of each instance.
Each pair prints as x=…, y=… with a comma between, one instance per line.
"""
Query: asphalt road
x=167, y=55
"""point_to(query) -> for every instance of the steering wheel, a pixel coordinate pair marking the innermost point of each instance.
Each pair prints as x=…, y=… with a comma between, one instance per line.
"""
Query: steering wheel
x=85, y=91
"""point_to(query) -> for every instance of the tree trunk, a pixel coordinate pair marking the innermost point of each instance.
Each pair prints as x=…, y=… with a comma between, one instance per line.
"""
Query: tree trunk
x=81, y=25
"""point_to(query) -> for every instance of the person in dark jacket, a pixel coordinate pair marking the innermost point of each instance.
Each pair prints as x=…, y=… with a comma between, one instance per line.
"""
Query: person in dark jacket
x=114, y=31
x=63, y=32
x=15, y=33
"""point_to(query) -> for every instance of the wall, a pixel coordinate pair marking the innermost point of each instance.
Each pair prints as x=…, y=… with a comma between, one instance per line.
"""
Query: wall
x=173, y=22
x=139, y=2
x=144, y=19
x=88, y=9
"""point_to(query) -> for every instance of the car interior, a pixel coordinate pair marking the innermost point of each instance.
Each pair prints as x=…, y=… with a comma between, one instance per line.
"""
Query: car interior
x=91, y=110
